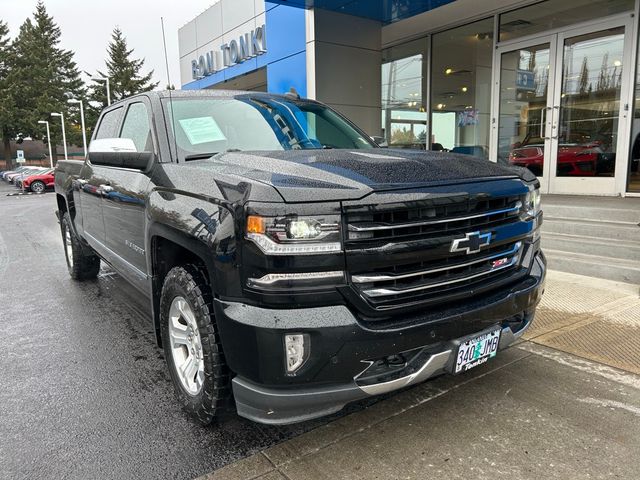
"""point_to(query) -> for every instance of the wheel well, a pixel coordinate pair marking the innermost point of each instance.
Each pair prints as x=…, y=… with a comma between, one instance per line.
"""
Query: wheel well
x=166, y=254
x=62, y=204
x=65, y=204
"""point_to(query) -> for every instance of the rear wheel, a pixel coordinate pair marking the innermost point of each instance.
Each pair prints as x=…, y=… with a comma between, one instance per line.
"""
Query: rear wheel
x=191, y=343
x=37, y=186
x=81, y=262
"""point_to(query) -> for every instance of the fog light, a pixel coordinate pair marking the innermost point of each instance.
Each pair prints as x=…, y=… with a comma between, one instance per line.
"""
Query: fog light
x=296, y=351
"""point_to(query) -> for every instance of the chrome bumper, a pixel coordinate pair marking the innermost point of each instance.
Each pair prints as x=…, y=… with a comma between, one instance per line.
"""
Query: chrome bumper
x=437, y=363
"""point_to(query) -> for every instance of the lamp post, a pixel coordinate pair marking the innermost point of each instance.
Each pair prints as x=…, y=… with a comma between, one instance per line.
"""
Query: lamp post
x=106, y=80
x=84, y=132
x=48, y=141
x=64, y=135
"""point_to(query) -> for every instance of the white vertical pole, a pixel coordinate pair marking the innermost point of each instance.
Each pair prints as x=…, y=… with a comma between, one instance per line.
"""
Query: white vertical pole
x=64, y=137
x=84, y=132
x=108, y=92
x=49, y=144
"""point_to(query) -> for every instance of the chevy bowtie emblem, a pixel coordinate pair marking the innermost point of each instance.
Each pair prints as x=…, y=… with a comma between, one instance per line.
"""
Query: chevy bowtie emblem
x=471, y=243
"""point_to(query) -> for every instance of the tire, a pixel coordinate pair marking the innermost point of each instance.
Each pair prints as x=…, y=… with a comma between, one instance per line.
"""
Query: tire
x=189, y=332
x=38, y=187
x=81, y=265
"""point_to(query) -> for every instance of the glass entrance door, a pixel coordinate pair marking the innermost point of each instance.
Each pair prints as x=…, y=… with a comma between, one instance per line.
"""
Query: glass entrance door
x=588, y=111
x=561, y=109
x=524, y=107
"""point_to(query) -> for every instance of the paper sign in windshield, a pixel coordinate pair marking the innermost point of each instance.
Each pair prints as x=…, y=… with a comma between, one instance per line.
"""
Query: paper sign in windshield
x=201, y=130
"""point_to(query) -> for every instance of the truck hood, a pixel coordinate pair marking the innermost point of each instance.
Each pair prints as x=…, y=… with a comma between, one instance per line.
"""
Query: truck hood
x=331, y=175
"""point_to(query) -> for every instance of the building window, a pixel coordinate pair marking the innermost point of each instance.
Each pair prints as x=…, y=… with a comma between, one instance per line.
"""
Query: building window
x=553, y=14
x=404, y=118
x=461, y=89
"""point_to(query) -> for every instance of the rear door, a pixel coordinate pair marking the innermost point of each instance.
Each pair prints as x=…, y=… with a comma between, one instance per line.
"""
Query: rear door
x=124, y=196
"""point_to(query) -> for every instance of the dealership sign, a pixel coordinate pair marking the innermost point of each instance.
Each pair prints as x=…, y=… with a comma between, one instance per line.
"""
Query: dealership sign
x=247, y=46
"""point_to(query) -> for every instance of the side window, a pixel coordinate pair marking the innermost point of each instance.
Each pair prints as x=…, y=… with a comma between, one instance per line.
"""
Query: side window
x=136, y=127
x=109, y=124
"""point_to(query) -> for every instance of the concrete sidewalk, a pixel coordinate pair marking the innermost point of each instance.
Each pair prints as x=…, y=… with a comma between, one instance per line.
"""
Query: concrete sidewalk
x=533, y=413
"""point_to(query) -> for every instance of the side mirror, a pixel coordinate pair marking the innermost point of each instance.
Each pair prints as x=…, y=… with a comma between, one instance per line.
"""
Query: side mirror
x=381, y=141
x=118, y=152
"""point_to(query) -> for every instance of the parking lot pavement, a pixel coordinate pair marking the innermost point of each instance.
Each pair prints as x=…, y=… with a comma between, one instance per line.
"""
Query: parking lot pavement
x=84, y=391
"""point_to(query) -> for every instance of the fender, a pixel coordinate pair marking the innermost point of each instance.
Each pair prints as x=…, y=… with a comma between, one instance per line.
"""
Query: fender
x=67, y=171
x=204, y=229
x=64, y=201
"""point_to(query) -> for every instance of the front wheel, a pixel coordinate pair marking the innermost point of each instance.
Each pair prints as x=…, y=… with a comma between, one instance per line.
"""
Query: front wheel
x=37, y=186
x=191, y=343
x=82, y=265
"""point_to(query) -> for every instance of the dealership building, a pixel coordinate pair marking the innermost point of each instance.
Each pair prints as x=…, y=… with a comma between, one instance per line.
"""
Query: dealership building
x=552, y=85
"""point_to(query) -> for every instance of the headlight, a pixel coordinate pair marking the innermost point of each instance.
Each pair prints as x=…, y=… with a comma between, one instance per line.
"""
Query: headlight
x=295, y=235
x=532, y=202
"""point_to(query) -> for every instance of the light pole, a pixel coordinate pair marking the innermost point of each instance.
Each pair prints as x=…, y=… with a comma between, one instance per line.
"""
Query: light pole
x=84, y=133
x=48, y=141
x=64, y=135
x=106, y=80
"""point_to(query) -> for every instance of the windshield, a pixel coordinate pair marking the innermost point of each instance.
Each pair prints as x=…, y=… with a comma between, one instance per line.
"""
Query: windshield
x=206, y=126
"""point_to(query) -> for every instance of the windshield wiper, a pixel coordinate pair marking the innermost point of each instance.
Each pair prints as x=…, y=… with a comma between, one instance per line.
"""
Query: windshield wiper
x=204, y=156
x=199, y=156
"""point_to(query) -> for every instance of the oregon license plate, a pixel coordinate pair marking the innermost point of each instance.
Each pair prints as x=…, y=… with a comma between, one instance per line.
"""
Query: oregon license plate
x=477, y=350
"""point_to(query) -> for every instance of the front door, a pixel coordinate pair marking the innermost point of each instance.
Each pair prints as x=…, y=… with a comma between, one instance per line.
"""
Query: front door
x=124, y=198
x=562, y=108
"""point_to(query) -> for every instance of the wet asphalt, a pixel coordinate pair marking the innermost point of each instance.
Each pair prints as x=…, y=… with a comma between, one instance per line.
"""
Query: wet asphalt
x=85, y=392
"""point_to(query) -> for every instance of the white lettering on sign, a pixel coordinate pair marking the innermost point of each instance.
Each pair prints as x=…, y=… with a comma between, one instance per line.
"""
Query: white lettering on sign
x=247, y=46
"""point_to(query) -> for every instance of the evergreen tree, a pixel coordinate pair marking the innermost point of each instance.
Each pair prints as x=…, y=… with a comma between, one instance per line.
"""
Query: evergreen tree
x=7, y=111
x=603, y=77
x=583, y=82
x=124, y=73
x=43, y=77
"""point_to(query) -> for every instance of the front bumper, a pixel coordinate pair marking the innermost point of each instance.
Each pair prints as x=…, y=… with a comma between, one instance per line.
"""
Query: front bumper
x=342, y=350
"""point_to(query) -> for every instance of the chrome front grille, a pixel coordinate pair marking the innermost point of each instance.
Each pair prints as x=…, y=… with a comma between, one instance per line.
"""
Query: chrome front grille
x=400, y=254
x=448, y=275
x=417, y=220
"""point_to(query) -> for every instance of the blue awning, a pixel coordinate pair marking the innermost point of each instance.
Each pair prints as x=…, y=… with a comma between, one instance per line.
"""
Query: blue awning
x=385, y=11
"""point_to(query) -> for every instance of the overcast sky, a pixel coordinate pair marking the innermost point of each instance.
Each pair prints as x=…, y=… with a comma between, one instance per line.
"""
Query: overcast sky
x=87, y=24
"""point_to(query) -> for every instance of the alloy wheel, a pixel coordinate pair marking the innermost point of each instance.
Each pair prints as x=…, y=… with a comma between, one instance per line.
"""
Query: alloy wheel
x=68, y=246
x=186, y=345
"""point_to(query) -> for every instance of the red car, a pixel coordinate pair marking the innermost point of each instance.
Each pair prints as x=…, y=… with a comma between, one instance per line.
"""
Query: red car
x=573, y=160
x=38, y=183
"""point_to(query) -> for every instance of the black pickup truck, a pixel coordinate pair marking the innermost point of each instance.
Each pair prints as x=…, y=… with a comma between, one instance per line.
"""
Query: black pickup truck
x=290, y=263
